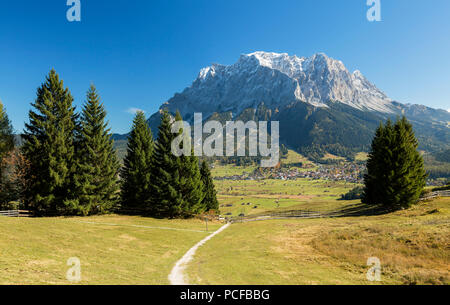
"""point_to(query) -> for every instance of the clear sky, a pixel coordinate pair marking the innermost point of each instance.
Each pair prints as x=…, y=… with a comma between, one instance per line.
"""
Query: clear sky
x=139, y=53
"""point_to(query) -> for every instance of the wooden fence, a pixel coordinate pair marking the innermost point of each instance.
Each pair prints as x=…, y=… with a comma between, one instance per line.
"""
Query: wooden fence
x=279, y=215
x=435, y=195
x=16, y=213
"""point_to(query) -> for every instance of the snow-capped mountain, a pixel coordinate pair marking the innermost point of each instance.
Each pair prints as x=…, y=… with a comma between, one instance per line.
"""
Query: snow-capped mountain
x=277, y=80
x=317, y=101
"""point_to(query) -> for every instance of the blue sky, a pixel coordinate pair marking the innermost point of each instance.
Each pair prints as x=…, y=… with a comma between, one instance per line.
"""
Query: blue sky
x=139, y=53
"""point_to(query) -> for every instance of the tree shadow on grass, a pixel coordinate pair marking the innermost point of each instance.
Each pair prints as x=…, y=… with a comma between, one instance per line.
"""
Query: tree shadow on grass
x=361, y=209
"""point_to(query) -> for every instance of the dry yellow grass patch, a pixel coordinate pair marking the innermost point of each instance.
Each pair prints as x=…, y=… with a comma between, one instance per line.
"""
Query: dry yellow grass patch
x=413, y=246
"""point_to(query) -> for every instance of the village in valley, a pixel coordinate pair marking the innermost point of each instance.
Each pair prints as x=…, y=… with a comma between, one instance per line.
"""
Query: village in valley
x=345, y=171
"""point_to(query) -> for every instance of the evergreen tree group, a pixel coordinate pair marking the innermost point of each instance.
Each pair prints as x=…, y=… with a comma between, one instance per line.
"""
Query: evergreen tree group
x=72, y=168
x=68, y=163
x=395, y=170
x=158, y=183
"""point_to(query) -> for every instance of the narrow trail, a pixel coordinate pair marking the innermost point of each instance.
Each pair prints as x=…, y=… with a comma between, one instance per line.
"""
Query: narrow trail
x=176, y=276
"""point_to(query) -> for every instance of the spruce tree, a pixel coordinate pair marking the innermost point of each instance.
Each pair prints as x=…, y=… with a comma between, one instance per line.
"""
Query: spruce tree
x=395, y=170
x=377, y=164
x=166, y=200
x=6, y=133
x=49, y=149
x=210, y=201
x=408, y=177
x=191, y=185
x=136, y=173
x=96, y=177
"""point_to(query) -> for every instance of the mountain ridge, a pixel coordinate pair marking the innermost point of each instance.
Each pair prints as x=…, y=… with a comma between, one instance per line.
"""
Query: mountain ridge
x=278, y=78
x=316, y=99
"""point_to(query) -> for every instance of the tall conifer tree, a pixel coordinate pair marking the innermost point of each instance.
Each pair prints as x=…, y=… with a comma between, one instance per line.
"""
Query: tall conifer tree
x=167, y=199
x=377, y=164
x=408, y=178
x=136, y=173
x=210, y=195
x=49, y=148
x=395, y=170
x=98, y=167
x=191, y=186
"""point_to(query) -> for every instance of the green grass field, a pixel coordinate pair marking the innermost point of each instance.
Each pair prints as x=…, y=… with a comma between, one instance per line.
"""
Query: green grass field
x=231, y=170
x=36, y=250
x=412, y=245
x=294, y=159
x=270, y=195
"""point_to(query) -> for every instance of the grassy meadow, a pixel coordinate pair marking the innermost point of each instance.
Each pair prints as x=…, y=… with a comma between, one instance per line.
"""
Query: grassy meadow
x=273, y=195
x=412, y=245
x=112, y=249
x=231, y=170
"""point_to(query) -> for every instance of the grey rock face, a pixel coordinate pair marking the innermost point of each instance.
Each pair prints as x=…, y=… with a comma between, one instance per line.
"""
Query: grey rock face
x=278, y=80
